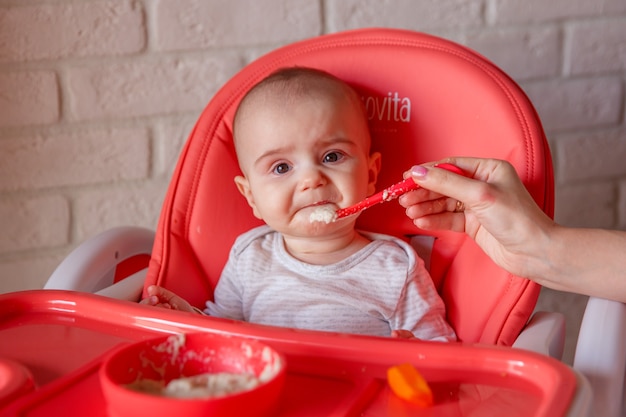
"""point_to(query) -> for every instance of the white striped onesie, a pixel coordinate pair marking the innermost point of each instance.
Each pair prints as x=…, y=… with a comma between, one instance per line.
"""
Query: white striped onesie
x=382, y=287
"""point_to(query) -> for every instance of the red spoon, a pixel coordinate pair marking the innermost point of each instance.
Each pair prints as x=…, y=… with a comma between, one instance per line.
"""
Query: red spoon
x=390, y=193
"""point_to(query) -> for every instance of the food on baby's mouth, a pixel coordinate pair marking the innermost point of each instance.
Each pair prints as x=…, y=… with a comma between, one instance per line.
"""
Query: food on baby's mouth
x=207, y=385
x=324, y=214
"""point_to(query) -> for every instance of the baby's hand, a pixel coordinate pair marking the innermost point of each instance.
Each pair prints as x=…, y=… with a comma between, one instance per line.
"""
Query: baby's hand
x=160, y=297
x=402, y=334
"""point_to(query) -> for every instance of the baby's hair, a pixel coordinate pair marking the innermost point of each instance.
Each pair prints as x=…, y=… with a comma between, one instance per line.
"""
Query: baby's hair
x=295, y=82
x=298, y=80
x=290, y=73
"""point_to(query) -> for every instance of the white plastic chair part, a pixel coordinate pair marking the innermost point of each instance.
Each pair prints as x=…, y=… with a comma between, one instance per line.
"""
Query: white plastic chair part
x=583, y=398
x=544, y=333
x=423, y=245
x=128, y=289
x=601, y=354
x=91, y=266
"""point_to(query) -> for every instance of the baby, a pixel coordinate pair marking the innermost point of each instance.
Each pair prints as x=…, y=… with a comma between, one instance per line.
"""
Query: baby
x=303, y=142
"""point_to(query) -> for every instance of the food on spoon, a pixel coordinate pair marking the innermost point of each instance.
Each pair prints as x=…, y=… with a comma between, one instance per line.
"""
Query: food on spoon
x=407, y=383
x=326, y=214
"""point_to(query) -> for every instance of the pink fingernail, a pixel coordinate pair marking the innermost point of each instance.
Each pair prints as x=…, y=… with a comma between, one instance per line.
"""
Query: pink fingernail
x=418, y=171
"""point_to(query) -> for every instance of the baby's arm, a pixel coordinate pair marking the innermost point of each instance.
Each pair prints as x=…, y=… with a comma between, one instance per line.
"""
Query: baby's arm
x=421, y=310
x=160, y=297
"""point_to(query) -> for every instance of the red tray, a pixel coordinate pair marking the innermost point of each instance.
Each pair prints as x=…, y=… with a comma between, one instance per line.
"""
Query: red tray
x=61, y=337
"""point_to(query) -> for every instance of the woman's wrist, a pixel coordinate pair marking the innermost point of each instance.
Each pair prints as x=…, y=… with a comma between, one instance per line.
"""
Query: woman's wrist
x=546, y=260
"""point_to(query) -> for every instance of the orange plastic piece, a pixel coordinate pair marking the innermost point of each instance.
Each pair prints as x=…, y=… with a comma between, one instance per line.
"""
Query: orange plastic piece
x=407, y=383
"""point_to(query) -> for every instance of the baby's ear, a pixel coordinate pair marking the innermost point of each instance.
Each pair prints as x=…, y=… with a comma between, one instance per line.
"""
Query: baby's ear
x=375, y=163
x=244, y=188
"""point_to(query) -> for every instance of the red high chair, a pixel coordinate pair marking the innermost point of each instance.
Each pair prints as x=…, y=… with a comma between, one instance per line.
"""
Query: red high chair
x=427, y=98
x=426, y=104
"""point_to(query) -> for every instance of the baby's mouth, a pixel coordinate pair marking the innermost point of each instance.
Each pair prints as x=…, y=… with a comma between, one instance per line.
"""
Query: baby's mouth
x=322, y=203
x=325, y=212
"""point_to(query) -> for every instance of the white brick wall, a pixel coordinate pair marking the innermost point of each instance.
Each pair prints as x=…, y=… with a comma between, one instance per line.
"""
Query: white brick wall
x=64, y=30
x=97, y=97
x=183, y=25
x=145, y=86
x=78, y=156
x=29, y=97
x=404, y=14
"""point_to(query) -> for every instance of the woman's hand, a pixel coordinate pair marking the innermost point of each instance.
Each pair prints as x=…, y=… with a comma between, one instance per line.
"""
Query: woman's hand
x=490, y=204
x=494, y=208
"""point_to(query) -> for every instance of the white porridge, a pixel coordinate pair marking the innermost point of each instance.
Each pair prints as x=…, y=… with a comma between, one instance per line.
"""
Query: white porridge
x=326, y=214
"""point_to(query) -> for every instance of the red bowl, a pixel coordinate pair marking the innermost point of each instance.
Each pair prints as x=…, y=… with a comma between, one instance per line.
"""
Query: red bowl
x=15, y=381
x=179, y=356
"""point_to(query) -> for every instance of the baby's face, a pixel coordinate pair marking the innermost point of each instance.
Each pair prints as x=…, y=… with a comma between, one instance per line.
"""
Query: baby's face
x=297, y=156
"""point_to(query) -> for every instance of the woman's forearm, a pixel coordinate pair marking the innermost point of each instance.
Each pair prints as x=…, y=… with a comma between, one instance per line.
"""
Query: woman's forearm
x=587, y=261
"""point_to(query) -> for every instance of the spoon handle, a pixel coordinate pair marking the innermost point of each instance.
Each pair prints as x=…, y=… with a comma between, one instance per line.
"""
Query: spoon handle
x=390, y=193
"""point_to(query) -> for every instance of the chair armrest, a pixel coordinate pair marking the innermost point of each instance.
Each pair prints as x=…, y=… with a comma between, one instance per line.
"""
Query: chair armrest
x=129, y=289
x=583, y=397
x=544, y=333
x=601, y=354
x=91, y=266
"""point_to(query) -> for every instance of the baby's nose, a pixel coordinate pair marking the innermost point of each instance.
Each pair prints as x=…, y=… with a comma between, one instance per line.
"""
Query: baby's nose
x=312, y=178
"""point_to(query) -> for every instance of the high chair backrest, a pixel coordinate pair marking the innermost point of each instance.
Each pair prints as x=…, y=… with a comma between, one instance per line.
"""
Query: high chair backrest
x=426, y=98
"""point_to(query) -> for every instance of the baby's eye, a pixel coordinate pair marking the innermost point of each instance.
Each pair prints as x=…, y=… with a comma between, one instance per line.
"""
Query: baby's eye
x=281, y=168
x=333, y=156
